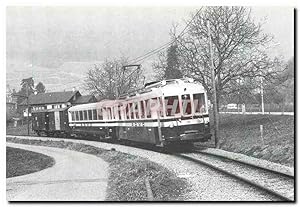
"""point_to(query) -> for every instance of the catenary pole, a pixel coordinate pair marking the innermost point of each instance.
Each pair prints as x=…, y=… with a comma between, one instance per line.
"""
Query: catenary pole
x=214, y=91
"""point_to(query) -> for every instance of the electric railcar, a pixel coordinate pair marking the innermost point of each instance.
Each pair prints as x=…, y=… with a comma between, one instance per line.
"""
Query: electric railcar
x=165, y=112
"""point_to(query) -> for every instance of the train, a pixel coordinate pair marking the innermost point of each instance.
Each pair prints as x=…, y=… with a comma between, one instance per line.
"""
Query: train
x=162, y=113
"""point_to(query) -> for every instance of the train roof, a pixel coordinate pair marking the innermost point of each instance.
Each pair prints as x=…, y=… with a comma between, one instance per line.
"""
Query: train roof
x=154, y=89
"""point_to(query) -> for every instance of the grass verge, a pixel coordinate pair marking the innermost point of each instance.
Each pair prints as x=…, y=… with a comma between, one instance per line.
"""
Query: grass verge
x=127, y=173
x=22, y=162
x=241, y=133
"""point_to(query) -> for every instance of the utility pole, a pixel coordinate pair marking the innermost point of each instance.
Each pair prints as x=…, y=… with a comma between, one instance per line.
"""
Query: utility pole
x=214, y=95
x=262, y=95
x=27, y=96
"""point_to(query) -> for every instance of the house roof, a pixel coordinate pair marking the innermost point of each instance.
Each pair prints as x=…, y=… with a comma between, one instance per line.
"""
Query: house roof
x=50, y=98
x=85, y=99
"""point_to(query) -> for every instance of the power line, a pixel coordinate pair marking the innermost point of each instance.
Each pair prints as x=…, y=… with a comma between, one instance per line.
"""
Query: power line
x=164, y=46
x=150, y=53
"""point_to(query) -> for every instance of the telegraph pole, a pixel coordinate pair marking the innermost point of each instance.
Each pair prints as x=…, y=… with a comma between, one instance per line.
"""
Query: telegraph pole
x=27, y=95
x=262, y=95
x=214, y=95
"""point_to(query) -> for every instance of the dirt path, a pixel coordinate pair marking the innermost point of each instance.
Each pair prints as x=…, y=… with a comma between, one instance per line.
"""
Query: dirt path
x=74, y=177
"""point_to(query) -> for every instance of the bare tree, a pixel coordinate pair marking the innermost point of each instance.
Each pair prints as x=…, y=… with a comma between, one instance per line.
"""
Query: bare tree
x=159, y=66
x=168, y=66
x=238, y=46
x=110, y=79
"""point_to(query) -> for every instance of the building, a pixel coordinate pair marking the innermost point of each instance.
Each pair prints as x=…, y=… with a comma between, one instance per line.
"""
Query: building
x=11, y=105
x=54, y=100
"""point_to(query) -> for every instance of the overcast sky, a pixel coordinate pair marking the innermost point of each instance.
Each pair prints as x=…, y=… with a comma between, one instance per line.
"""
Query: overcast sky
x=53, y=35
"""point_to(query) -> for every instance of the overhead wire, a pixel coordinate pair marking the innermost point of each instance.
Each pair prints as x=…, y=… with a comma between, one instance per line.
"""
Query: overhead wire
x=150, y=53
x=164, y=46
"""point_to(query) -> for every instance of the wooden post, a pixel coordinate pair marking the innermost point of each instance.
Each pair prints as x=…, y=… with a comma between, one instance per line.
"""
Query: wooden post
x=27, y=108
x=149, y=191
x=261, y=127
x=216, y=117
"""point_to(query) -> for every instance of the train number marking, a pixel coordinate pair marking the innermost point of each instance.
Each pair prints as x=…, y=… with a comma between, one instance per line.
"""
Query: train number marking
x=138, y=124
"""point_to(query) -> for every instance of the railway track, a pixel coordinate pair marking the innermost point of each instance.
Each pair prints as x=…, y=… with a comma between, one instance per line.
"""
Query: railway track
x=275, y=183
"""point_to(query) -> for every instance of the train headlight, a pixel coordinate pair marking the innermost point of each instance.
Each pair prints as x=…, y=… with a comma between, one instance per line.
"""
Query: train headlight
x=191, y=80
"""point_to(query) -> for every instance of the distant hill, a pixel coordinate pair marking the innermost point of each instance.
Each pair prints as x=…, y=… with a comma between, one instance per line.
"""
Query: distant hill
x=64, y=77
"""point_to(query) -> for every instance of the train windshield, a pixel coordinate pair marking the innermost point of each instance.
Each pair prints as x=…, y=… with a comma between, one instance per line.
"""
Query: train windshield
x=199, y=103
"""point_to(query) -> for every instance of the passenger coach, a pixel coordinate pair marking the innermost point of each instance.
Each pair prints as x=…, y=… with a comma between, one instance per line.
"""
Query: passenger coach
x=165, y=112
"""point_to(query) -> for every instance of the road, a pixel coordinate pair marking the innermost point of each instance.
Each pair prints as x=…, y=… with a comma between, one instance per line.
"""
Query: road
x=74, y=177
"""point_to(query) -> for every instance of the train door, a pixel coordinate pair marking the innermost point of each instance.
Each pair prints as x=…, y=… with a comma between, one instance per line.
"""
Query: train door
x=57, y=120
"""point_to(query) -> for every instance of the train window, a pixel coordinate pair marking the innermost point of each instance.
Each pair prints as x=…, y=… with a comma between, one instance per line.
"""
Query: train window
x=90, y=115
x=127, y=111
x=172, y=105
x=116, y=112
x=186, y=104
x=77, y=115
x=147, y=109
x=100, y=114
x=142, y=109
x=199, y=102
x=135, y=110
x=108, y=112
x=80, y=115
x=131, y=109
x=123, y=111
x=161, y=112
x=119, y=112
x=73, y=115
x=85, y=117
x=94, y=114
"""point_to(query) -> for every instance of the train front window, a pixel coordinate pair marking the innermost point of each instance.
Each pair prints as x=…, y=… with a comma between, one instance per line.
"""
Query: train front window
x=199, y=103
x=186, y=104
x=172, y=106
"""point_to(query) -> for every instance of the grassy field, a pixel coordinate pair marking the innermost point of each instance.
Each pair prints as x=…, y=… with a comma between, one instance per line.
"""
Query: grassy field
x=241, y=133
x=127, y=173
x=22, y=162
